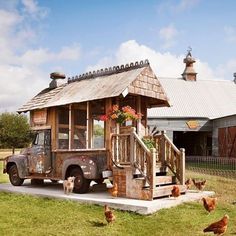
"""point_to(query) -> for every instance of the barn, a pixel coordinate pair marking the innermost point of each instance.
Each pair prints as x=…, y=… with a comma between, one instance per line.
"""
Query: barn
x=202, y=116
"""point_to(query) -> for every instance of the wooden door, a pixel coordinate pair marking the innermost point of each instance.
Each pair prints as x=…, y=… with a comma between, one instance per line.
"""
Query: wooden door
x=227, y=141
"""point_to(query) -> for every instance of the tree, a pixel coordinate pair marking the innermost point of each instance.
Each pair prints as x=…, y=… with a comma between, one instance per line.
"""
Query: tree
x=14, y=131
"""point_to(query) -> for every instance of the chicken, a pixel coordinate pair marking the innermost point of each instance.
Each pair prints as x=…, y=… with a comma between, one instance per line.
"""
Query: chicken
x=114, y=190
x=209, y=203
x=219, y=227
x=110, y=217
x=175, y=191
x=200, y=185
x=188, y=183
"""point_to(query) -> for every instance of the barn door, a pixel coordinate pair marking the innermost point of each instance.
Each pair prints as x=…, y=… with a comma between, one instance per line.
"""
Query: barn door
x=227, y=141
x=232, y=141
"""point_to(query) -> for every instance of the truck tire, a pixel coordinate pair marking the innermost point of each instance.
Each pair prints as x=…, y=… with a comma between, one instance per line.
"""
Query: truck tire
x=81, y=184
x=14, y=176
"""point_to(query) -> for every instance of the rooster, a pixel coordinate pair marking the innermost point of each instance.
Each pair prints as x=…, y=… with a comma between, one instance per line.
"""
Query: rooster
x=209, y=203
x=200, y=185
x=114, y=190
x=188, y=183
x=219, y=227
x=175, y=191
x=109, y=215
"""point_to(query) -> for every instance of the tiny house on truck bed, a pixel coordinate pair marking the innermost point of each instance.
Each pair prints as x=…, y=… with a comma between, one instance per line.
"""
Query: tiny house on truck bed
x=92, y=127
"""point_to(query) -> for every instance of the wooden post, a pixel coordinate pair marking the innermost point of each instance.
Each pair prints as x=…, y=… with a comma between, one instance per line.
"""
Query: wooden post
x=54, y=129
x=163, y=148
x=108, y=124
x=182, y=166
x=87, y=126
x=153, y=170
x=139, y=111
x=132, y=145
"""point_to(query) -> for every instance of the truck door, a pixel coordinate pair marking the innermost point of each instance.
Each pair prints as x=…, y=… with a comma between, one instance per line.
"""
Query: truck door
x=39, y=158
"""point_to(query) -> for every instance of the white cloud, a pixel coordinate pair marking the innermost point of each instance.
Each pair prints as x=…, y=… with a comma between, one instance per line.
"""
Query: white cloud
x=163, y=64
x=227, y=70
x=186, y=4
x=69, y=53
x=31, y=7
x=177, y=7
x=20, y=63
x=16, y=86
x=230, y=34
x=44, y=55
x=168, y=35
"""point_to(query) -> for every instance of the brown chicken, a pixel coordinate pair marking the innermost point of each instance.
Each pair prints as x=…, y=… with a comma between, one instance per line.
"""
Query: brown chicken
x=209, y=203
x=114, y=190
x=200, y=185
x=188, y=183
x=110, y=217
x=175, y=191
x=219, y=227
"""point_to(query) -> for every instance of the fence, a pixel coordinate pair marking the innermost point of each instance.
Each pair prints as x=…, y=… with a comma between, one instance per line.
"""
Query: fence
x=225, y=167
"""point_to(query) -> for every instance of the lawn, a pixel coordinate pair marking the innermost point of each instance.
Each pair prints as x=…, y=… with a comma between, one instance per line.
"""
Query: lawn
x=26, y=215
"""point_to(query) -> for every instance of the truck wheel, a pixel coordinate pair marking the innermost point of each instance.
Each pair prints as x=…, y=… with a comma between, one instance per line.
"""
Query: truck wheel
x=14, y=176
x=81, y=184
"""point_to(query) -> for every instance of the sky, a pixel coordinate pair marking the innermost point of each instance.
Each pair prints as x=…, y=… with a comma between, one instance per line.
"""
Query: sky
x=75, y=36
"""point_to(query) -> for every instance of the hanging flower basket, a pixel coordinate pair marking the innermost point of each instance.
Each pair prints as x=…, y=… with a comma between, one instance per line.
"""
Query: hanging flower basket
x=122, y=115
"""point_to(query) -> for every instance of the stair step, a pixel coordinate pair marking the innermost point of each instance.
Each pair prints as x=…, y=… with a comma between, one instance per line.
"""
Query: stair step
x=164, y=180
x=164, y=191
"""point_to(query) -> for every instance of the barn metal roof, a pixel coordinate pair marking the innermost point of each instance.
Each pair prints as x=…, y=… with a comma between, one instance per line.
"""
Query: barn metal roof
x=103, y=83
x=202, y=98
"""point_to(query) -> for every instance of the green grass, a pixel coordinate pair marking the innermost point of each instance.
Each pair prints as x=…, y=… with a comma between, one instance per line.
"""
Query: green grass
x=27, y=215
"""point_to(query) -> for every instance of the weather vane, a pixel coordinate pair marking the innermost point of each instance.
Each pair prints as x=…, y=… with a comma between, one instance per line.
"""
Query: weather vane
x=189, y=51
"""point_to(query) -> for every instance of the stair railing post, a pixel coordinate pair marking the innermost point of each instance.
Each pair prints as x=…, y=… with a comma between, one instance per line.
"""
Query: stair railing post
x=132, y=146
x=153, y=168
x=182, y=166
x=163, y=148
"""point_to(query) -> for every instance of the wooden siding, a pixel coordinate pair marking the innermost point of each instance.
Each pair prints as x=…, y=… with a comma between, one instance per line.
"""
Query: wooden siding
x=147, y=85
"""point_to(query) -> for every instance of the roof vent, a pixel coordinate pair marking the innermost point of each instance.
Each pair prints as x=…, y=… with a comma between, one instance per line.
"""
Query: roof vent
x=57, y=79
x=235, y=77
x=189, y=73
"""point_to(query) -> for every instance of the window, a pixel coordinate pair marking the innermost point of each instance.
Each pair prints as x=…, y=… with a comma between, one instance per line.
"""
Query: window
x=80, y=126
x=39, y=139
x=98, y=132
x=63, y=128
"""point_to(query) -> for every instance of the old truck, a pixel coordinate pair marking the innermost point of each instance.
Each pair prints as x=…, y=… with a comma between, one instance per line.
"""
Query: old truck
x=89, y=127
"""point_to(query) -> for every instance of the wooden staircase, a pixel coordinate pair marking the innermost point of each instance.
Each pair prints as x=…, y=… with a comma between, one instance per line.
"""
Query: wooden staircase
x=146, y=174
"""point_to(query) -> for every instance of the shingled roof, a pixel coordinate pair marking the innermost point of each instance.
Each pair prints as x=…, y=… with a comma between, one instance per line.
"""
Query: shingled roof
x=134, y=78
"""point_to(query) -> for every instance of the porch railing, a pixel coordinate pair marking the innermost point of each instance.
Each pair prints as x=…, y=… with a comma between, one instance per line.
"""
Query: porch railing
x=170, y=156
x=129, y=149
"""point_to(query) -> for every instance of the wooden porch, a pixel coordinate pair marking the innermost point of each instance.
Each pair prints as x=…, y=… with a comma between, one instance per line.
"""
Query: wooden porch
x=146, y=174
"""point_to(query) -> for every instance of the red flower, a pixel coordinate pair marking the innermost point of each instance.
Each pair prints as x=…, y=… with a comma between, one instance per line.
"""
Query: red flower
x=103, y=117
